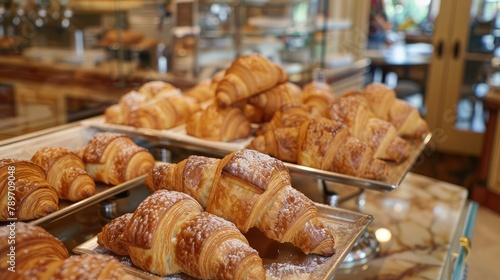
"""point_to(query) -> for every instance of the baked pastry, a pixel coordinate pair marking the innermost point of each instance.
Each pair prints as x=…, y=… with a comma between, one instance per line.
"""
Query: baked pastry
x=273, y=99
x=152, y=88
x=323, y=144
x=114, y=158
x=120, y=113
x=88, y=266
x=166, y=110
x=405, y=117
x=286, y=116
x=328, y=145
x=40, y=255
x=169, y=233
x=250, y=189
x=156, y=105
x=281, y=143
x=65, y=172
x=110, y=235
x=219, y=124
x=354, y=111
x=201, y=92
x=32, y=244
x=24, y=191
x=318, y=97
x=247, y=76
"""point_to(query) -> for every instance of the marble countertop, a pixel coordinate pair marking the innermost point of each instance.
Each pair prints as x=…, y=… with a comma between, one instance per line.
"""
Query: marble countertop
x=415, y=226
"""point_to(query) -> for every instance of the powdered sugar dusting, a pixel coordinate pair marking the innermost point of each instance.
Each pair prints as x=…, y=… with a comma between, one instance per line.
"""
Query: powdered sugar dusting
x=148, y=214
x=254, y=167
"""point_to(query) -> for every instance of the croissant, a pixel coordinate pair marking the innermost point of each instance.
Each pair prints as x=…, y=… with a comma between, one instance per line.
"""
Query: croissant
x=65, y=172
x=120, y=113
x=31, y=244
x=353, y=110
x=281, y=143
x=169, y=233
x=323, y=144
x=202, y=92
x=167, y=110
x=24, y=191
x=110, y=235
x=286, y=116
x=273, y=99
x=250, y=189
x=114, y=158
x=39, y=255
x=328, y=145
x=89, y=266
x=152, y=88
x=318, y=97
x=401, y=114
x=219, y=124
x=248, y=75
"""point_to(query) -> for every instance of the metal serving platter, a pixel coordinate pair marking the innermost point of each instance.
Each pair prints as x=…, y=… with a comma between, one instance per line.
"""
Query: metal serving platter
x=177, y=137
x=281, y=261
x=72, y=137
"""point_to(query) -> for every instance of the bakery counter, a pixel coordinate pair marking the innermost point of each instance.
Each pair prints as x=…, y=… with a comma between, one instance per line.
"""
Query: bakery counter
x=423, y=229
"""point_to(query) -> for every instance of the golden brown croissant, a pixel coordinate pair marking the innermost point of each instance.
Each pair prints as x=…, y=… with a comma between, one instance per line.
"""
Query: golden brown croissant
x=273, y=99
x=114, y=158
x=120, y=113
x=89, y=266
x=153, y=88
x=24, y=191
x=248, y=75
x=39, y=255
x=353, y=110
x=286, y=116
x=166, y=110
x=401, y=114
x=219, y=124
x=281, y=143
x=156, y=105
x=328, y=145
x=202, y=92
x=323, y=144
x=169, y=233
x=65, y=172
x=318, y=97
x=31, y=244
x=110, y=235
x=250, y=189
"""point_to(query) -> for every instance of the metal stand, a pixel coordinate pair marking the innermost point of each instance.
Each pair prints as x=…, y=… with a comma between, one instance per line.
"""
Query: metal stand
x=367, y=246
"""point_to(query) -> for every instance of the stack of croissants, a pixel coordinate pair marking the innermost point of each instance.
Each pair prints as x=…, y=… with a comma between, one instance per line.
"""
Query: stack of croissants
x=195, y=219
x=356, y=133
x=32, y=188
x=193, y=222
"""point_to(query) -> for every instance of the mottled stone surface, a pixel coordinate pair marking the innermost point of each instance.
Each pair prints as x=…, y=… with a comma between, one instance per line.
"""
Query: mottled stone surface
x=421, y=217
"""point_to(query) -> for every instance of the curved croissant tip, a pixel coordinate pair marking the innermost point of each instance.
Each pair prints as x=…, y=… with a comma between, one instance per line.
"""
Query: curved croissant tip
x=46, y=208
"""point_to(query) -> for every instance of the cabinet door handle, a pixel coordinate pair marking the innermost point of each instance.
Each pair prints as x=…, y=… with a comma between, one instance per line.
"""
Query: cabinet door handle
x=456, y=49
x=439, y=49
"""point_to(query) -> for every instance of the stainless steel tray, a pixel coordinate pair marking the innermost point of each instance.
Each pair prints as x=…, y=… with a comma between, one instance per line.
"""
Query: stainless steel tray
x=72, y=137
x=177, y=137
x=281, y=261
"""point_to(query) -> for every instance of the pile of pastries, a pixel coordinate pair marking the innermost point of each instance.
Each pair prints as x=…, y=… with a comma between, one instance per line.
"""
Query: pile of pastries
x=193, y=222
x=31, y=188
x=355, y=133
